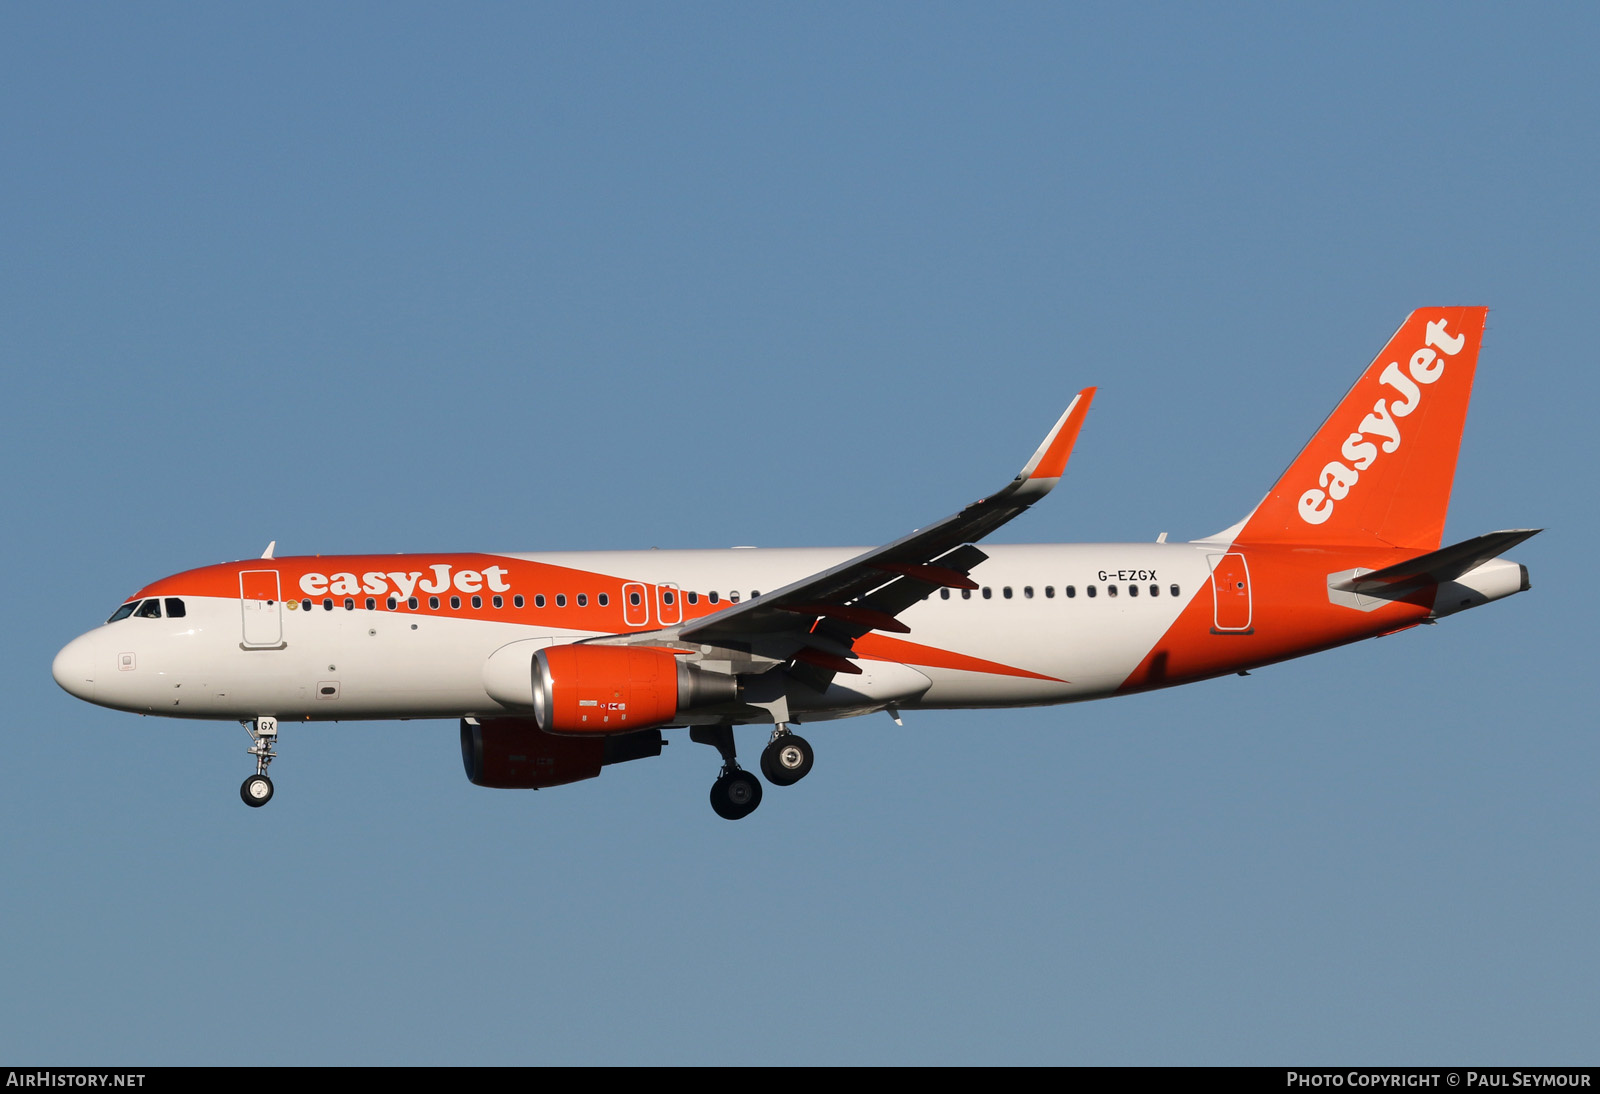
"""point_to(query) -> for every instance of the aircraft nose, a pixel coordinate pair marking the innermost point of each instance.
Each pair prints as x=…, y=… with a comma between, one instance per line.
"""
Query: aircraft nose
x=74, y=668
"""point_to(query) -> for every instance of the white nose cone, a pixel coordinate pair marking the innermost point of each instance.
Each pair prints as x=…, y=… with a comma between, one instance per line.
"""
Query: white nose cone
x=74, y=668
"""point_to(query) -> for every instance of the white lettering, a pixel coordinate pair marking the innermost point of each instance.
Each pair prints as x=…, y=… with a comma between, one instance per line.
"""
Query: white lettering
x=406, y=583
x=1401, y=383
x=1359, y=451
x=1380, y=423
x=1315, y=507
x=1424, y=367
x=1420, y=361
x=377, y=583
x=1337, y=479
x=1438, y=339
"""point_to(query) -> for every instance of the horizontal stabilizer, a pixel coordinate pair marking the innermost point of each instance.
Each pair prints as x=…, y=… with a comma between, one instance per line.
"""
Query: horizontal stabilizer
x=1435, y=567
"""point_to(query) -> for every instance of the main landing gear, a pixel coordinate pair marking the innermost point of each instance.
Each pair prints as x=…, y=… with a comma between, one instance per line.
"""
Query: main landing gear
x=787, y=758
x=736, y=793
x=257, y=789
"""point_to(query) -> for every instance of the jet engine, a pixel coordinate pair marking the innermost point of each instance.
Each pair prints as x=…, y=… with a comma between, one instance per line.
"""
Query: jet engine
x=584, y=689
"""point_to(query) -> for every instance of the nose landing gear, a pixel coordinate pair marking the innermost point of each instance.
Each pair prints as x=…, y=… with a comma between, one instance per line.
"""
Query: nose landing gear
x=256, y=791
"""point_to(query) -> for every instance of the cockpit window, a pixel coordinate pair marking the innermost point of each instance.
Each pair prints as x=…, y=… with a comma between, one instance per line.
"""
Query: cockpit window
x=123, y=612
x=175, y=608
x=150, y=609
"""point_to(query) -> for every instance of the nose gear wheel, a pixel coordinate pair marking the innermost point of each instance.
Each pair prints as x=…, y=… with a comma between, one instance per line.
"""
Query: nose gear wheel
x=256, y=791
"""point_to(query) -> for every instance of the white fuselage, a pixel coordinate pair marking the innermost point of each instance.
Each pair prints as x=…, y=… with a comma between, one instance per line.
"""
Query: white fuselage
x=339, y=663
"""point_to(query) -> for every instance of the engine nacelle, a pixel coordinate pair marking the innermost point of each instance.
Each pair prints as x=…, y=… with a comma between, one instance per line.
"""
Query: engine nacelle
x=515, y=754
x=587, y=689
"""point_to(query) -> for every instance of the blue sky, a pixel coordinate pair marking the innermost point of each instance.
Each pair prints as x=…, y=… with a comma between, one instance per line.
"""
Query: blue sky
x=396, y=277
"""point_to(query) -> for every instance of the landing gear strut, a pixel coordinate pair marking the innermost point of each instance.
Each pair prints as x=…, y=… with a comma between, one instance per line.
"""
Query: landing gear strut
x=256, y=791
x=787, y=758
x=736, y=793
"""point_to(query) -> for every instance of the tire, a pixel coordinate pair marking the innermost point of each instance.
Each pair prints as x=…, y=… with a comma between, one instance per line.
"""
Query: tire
x=256, y=791
x=735, y=795
x=787, y=760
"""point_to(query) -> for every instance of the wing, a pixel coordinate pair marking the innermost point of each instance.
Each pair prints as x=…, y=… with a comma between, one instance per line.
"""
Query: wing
x=816, y=620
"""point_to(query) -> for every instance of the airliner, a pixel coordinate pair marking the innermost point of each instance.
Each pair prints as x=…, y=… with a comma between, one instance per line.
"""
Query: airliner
x=556, y=665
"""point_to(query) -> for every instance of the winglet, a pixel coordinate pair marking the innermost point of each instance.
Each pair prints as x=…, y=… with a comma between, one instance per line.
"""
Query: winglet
x=1044, y=470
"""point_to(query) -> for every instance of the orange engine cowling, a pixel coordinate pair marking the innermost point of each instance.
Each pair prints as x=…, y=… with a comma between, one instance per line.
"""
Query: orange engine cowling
x=514, y=754
x=584, y=689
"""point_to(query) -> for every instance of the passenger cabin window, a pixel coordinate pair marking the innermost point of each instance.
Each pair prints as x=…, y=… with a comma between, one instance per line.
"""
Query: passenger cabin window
x=988, y=593
x=633, y=598
x=391, y=603
x=666, y=596
x=602, y=600
x=944, y=594
x=538, y=600
x=733, y=596
x=349, y=603
x=694, y=598
x=712, y=596
x=1006, y=592
x=1071, y=591
x=123, y=612
x=175, y=608
x=1133, y=590
x=1155, y=590
x=305, y=605
x=327, y=604
x=372, y=603
x=477, y=602
x=1049, y=592
x=1111, y=590
x=455, y=602
x=413, y=603
x=1027, y=592
x=1173, y=589
x=433, y=602
x=561, y=600
x=583, y=600
x=499, y=601
x=1090, y=590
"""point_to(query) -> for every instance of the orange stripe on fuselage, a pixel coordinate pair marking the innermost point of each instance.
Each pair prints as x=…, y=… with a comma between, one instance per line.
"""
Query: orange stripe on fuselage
x=358, y=577
x=1292, y=615
x=880, y=647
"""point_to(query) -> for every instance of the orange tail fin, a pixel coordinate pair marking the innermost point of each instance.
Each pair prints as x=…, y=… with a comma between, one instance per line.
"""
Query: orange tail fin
x=1379, y=470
